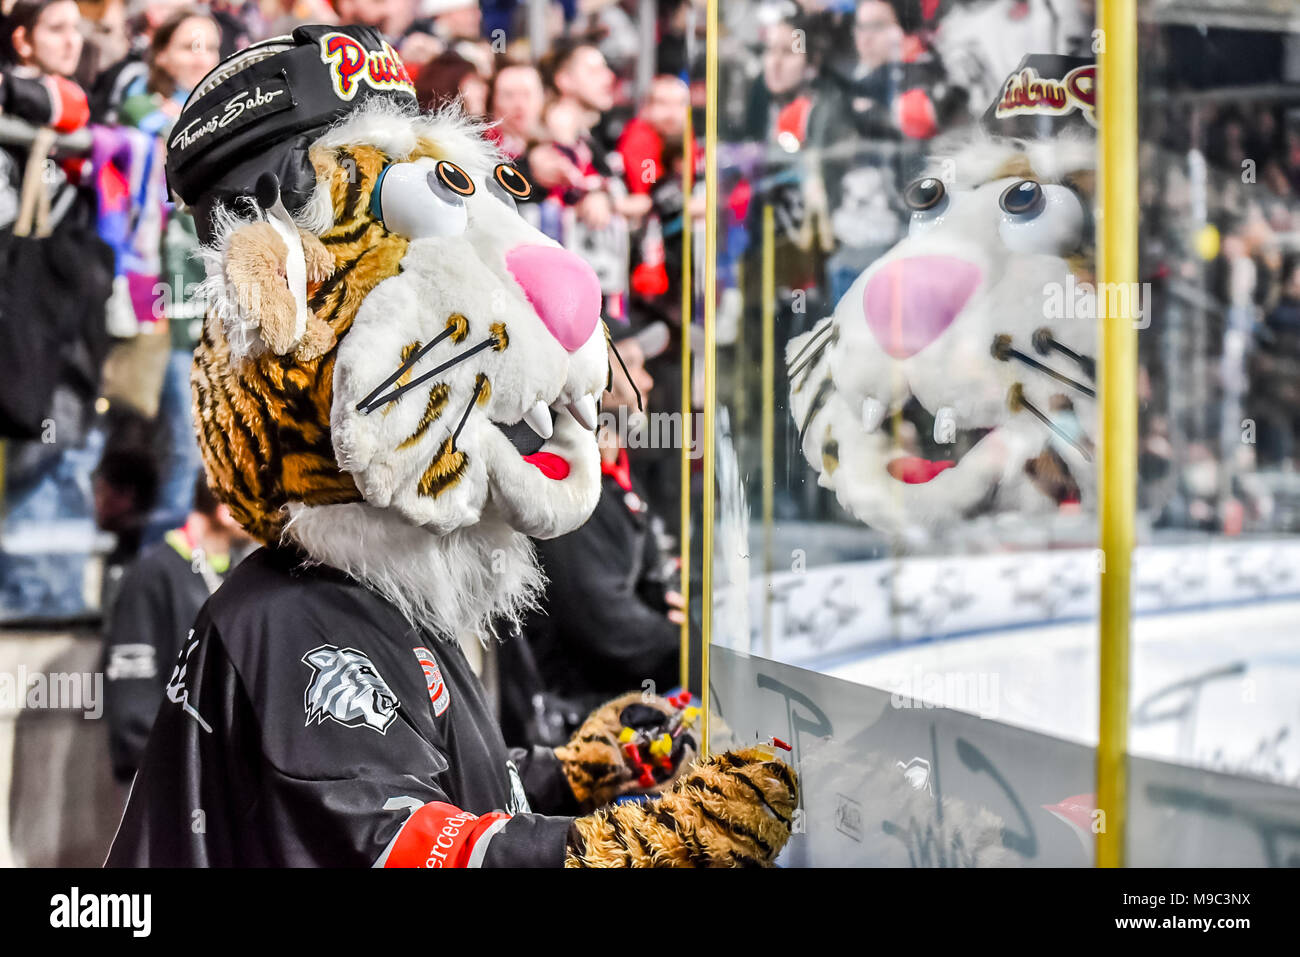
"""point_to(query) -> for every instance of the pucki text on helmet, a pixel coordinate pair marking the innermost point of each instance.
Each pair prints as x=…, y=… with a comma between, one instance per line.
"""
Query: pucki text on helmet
x=77, y=910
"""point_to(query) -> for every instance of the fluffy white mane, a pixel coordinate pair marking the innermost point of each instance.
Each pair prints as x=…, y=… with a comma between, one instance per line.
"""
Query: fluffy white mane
x=463, y=585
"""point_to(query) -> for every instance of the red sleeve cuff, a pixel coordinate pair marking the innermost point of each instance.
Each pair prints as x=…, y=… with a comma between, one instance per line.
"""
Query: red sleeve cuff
x=441, y=835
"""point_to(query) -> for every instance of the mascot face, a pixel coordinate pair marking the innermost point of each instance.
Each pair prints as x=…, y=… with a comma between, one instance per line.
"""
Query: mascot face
x=438, y=402
x=914, y=400
x=490, y=282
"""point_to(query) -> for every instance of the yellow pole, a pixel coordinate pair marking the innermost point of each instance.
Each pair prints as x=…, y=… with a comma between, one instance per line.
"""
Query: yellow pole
x=710, y=340
x=688, y=300
x=1117, y=380
x=768, y=387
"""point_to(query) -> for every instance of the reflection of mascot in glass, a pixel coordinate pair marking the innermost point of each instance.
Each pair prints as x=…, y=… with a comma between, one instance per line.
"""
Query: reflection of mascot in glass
x=396, y=385
x=955, y=375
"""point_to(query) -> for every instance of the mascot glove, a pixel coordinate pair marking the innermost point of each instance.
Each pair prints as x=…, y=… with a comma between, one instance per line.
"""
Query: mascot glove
x=731, y=810
x=595, y=762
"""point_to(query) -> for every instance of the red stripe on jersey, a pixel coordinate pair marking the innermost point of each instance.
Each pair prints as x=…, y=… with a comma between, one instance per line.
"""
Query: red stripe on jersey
x=441, y=835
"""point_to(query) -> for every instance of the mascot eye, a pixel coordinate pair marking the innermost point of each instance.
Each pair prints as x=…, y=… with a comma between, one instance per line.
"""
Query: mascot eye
x=925, y=194
x=1039, y=218
x=508, y=185
x=1024, y=199
x=928, y=200
x=417, y=203
x=455, y=178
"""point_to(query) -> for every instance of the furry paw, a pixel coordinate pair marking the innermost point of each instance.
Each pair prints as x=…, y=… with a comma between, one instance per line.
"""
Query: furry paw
x=316, y=341
x=594, y=762
x=732, y=810
x=256, y=270
x=319, y=260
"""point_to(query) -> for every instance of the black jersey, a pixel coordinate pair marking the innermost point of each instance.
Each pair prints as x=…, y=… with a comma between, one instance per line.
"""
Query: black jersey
x=155, y=606
x=306, y=723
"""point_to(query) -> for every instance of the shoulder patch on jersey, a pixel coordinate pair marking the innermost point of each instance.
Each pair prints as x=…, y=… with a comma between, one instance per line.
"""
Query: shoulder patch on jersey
x=346, y=686
x=439, y=693
x=131, y=661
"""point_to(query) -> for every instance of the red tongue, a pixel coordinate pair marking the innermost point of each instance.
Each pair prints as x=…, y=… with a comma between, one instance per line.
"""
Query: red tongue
x=549, y=464
x=916, y=471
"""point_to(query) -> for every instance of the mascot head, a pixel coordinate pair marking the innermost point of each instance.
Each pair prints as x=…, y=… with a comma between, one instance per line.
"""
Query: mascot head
x=397, y=373
x=955, y=375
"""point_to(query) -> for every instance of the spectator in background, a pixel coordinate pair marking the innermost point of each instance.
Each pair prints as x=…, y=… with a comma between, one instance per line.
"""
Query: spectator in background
x=1274, y=395
x=43, y=37
x=111, y=86
x=39, y=49
x=878, y=41
x=159, y=597
x=610, y=618
x=278, y=17
x=583, y=88
x=515, y=99
x=46, y=476
x=783, y=98
x=183, y=50
x=240, y=22
x=448, y=25
x=898, y=86
x=380, y=14
x=877, y=37
x=653, y=150
x=449, y=77
x=454, y=20
x=39, y=52
x=650, y=135
x=103, y=25
x=124, y=487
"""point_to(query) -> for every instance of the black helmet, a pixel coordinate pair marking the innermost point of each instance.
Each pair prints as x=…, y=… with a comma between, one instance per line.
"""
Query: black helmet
x=1047, y=95
x=261, y=108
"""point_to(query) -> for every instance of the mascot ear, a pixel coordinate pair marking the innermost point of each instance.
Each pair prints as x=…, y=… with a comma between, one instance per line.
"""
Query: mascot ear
x=267, y=271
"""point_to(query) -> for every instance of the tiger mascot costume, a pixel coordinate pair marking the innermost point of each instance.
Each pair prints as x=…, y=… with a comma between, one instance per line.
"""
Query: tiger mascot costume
x=956, y=375
x=397, y=384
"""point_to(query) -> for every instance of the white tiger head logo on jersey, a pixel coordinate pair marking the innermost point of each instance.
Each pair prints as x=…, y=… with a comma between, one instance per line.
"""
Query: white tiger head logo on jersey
x=346, y=687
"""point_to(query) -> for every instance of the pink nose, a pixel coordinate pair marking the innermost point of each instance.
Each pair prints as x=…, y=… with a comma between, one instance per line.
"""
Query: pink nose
x=561, y=287
x=911, y=301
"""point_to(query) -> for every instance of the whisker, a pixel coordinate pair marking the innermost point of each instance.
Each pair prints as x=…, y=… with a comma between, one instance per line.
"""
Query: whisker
x=614, y=349
x=798, y=365
x=1002, y=350
x=487, y=343
x=1044, y=343
x=819, y=399
x=478, y=387
x=1016, y=401
x=406, y=366
x=812, y=341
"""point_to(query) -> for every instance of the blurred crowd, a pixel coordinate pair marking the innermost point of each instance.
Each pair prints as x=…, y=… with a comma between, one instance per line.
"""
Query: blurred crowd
x=826, y=106
x=99, y=453
x=1220, y=200
x=828, y=110
x=562, y=95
